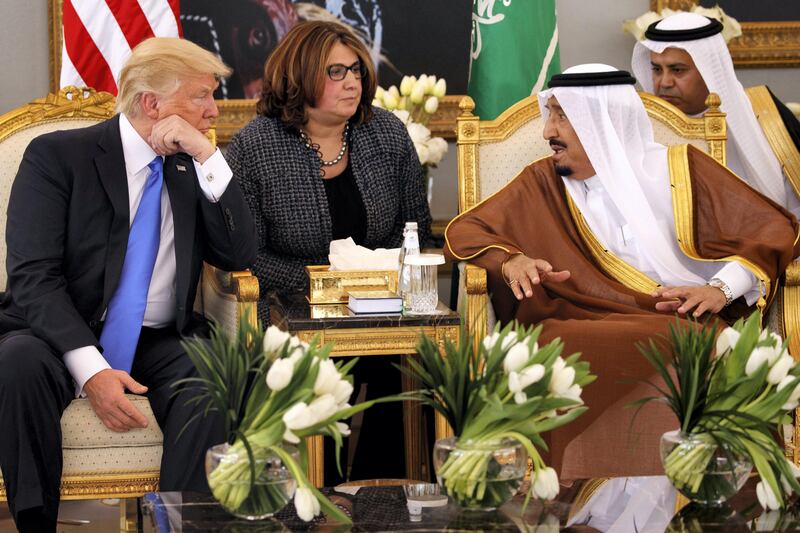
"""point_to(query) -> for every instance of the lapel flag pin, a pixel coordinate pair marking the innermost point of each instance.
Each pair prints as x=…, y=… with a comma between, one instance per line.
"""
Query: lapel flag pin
x=181, y=168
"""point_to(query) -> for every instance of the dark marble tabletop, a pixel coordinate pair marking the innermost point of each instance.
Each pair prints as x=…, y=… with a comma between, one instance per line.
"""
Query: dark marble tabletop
x=294, y=313
x=618, y=505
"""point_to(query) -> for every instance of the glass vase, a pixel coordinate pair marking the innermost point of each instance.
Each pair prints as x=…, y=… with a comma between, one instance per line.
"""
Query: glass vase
x=701, y=469
x=479, y=475
x=229, y=475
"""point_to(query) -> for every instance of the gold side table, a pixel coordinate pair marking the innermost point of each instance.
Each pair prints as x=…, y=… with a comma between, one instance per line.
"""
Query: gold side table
x=367, y=335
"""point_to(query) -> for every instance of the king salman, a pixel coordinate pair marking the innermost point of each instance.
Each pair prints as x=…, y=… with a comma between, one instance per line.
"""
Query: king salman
x=609, y=238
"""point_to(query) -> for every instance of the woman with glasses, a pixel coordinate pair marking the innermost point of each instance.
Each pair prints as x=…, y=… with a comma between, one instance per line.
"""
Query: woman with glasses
x=319, y=163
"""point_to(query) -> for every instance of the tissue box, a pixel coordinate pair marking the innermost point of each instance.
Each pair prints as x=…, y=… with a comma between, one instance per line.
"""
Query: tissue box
x=332, y=286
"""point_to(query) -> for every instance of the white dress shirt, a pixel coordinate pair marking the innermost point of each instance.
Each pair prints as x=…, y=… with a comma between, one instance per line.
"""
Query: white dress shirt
x=616, y=235
x=213, y=177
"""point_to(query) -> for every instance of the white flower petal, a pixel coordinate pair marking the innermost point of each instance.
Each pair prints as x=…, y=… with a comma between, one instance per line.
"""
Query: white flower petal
x=327, y=378
x=323, y=407
x=531, y=374
x=306, y=504
x=274, y=339
x=417, y=93
x=403, y=115
x=343, y=429
x=780, y=369
x=431, y=105
x=419, y=134
x=726, y=340
x=440, y=88
x=280, y=374
x=406, y=84
x=298, y=416
x=545, y=484
x=343, y=391
x=754, y=362
x=562, y=378
x=290, y=437
x=573, y=393
x=766, y=497
x=516, y=358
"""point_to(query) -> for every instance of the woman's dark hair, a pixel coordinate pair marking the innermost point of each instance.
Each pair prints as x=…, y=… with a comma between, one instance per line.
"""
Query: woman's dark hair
x=294, y=75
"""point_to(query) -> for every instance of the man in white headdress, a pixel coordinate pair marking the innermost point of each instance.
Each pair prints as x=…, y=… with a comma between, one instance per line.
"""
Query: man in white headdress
x=681, y=59
x=604, y=240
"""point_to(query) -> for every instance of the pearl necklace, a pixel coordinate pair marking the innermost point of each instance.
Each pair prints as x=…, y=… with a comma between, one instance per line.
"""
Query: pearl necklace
x=315, y=147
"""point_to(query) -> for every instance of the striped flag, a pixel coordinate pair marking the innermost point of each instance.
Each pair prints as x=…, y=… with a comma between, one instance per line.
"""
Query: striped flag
x=100, y=34
x=514, y=52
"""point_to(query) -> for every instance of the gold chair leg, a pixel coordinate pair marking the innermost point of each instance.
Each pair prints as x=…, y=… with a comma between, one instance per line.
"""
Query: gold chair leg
x=416, y=460
x=316, y=458
x=128, y=514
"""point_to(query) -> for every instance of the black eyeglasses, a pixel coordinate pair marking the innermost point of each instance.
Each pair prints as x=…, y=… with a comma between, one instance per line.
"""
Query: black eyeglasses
x=337, y=71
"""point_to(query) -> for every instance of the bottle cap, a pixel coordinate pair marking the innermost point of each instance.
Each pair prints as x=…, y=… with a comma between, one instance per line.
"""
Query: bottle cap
x=411, y=225
x=425, y=259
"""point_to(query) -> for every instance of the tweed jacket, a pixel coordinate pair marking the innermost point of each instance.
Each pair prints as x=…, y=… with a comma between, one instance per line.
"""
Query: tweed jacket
x=280, y=178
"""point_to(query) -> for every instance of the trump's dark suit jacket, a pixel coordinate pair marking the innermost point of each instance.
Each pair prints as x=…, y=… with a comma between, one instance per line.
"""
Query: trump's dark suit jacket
x=67, y=232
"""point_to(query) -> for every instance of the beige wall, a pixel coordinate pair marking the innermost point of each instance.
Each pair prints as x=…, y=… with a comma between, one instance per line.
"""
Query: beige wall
x=25, y=55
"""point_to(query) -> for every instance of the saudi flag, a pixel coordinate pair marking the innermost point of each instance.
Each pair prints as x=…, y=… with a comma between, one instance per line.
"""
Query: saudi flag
x=514, y=52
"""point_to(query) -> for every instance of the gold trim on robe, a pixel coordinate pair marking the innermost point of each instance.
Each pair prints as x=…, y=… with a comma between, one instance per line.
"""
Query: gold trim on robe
x=502, y=247
x=612, y=265
x=778, y=138
x=681, y=184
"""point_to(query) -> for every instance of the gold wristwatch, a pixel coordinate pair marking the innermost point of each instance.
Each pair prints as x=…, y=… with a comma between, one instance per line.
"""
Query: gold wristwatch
x=721, y=285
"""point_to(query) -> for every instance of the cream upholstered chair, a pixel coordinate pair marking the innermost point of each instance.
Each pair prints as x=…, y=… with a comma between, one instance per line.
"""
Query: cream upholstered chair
x=99, y=463
x=492, y=152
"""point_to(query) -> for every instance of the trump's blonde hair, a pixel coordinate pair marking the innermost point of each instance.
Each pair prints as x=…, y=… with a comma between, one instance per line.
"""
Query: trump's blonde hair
x=159, y=65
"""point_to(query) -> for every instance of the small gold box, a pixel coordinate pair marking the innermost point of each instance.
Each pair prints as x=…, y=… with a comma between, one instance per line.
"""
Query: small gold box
x=332, y=286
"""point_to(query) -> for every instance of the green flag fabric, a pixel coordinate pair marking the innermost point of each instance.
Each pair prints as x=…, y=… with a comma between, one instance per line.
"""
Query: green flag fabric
x=514, y=52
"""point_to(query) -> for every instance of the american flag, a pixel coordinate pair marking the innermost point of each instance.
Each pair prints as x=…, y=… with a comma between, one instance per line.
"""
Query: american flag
x=100, y=34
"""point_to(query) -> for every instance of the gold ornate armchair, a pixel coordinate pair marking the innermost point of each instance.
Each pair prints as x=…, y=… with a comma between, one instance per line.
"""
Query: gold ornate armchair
x=492, y=152
x=99, y=463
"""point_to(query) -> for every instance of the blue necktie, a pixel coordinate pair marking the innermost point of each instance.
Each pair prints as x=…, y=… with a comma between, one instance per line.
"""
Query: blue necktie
x=125, y=311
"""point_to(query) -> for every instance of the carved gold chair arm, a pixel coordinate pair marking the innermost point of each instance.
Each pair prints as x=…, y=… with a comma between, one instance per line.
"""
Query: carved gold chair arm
x=477, y=304
x=789, y=302
x=227, y=296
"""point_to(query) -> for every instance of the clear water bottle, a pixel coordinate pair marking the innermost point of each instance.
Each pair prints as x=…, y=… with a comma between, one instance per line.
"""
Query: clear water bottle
x=406, y=271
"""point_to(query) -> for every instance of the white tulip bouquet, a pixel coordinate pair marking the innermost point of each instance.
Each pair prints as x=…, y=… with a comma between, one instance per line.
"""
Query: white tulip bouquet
x=273, y=390
x=414, y=103
x=507, y=387
x=731, y=395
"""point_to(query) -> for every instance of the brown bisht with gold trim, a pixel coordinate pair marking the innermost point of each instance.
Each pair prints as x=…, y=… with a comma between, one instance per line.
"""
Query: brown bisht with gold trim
x=605, y=307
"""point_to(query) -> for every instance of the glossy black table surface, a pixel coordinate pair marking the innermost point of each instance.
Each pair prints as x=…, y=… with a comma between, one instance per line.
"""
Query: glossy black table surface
x=618, y=505
x=292, y=312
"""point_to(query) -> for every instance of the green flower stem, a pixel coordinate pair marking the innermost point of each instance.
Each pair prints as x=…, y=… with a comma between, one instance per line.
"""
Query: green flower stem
x=227, y=480
x=686, y=463
x=465, y=472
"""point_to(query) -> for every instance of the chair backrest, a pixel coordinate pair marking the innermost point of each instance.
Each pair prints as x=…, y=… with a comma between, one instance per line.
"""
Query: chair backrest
x=69, y=109
x=492, y=152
